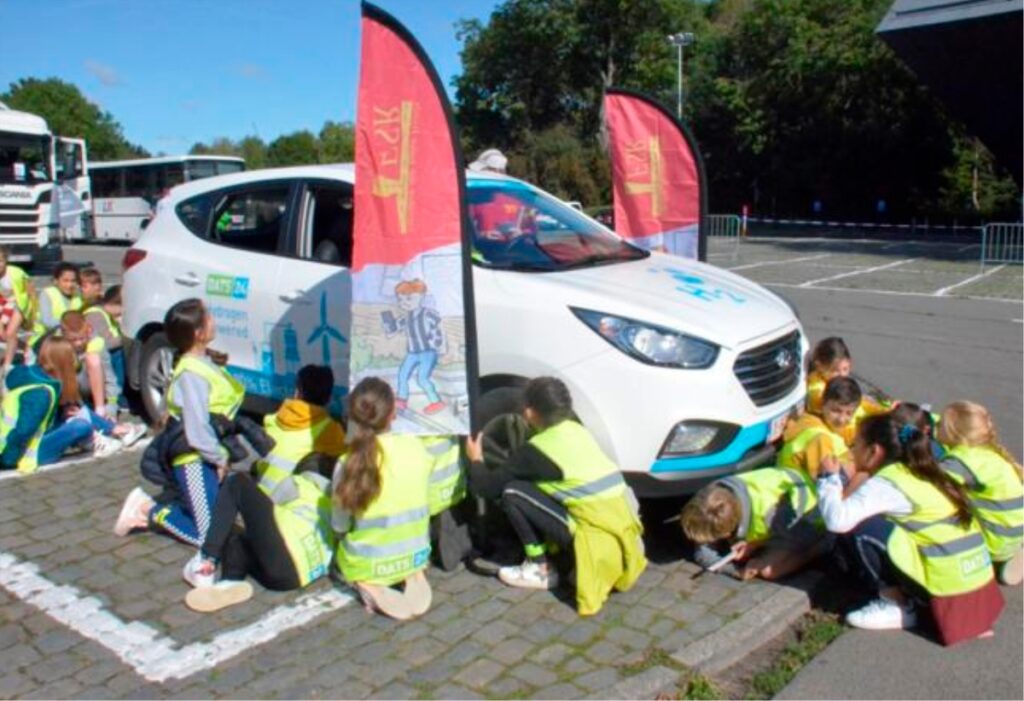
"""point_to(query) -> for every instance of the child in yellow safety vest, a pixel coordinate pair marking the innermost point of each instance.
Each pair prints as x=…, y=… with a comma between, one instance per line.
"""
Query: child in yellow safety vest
x=103, y=318
x=17, y=306
x=766, y=516
x=831, y=358
x=909, y=535
x=62, y=296
x=381, y=506
x=287, y=542
x=809, y=438
x=560, y=489
x=992, y=477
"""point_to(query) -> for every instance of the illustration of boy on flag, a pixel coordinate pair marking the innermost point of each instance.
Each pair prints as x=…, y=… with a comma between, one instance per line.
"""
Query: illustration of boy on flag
x=422, y=327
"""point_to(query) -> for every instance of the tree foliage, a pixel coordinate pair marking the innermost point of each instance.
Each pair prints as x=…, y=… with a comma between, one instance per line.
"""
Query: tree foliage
x=68, y=113
x=335, y=143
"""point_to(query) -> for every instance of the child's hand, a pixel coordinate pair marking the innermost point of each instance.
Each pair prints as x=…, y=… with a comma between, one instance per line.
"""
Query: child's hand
x=830, y=465
x=474, y=447
x=743, y=550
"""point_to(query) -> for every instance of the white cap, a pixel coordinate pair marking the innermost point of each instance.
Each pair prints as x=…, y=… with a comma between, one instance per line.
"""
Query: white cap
x=492, y=159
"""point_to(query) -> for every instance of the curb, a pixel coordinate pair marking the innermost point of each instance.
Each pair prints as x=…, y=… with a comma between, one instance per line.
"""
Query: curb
x=761, y=624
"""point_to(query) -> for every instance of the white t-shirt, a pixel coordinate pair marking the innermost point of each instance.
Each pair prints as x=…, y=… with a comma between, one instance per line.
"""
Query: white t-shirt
x=875, y=496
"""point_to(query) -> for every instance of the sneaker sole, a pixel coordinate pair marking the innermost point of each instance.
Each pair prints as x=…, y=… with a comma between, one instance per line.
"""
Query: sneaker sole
x=209, y=599
x=904, y=625
x=527, y=584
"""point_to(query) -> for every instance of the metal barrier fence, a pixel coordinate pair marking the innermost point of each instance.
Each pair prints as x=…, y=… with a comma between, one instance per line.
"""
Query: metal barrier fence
x=725, y=226
x=1002, y=243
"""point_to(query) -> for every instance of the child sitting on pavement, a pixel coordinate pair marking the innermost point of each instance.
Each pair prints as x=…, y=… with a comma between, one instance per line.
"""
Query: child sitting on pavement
x=831, y=358
x=766, y=518
x=810, y=437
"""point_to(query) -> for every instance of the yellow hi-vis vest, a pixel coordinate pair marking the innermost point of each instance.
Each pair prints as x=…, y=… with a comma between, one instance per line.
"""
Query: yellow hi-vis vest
x=390, y=541
x=226, y=393
x=305, y=526
x=762, y=491
x=588, y=474
x=930, y=546
x=791, y=451
x=58, y=304
x=448, y=479
x=19, y=284
x=996, y=496
x=289, y=448
x=9, y=410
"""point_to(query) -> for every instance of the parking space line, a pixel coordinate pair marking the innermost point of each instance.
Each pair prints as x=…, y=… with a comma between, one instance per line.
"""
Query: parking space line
x=942, y=292
x=155, y=657
x=863, y=271
x=748, y=266
x=892, y=293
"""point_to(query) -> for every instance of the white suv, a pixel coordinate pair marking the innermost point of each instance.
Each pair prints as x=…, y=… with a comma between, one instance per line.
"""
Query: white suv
x=682, y=370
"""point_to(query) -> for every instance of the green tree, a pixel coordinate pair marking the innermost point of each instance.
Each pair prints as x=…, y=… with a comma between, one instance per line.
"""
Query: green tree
x=221, y=146
x=254, y=151
x=297, y=148
x=69, y=113
x=337, y=142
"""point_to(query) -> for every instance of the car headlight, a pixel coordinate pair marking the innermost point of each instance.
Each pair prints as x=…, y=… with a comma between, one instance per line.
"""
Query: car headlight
x=648, y=343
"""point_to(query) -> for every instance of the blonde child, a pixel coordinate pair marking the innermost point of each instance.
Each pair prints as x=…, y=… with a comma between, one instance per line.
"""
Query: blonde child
x=992, y=478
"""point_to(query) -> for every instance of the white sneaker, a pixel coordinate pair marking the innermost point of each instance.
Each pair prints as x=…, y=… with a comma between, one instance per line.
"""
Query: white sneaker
x=220, y=595
x=1011, y=572
x=529, y=575
x=135, y=512
x=883, y=614
x=132, y=436
x=103, y=446
x=200, y=572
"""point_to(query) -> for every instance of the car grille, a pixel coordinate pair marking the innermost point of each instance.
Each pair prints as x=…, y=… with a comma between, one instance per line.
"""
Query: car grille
x=771, y=371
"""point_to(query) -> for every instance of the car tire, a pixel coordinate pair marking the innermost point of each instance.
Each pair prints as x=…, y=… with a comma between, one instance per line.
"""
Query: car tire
x=155, y=368
x=500, y=400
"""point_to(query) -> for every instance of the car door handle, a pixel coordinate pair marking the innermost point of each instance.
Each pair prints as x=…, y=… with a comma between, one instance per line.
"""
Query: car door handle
x=296, y=297
x=188, y=279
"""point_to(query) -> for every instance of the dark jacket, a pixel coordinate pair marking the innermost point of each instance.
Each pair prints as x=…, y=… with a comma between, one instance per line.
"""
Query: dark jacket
x=34, y=406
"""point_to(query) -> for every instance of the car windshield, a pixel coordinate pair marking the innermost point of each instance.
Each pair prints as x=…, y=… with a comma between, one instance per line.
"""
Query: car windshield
x=519, y=228
x=24, y=159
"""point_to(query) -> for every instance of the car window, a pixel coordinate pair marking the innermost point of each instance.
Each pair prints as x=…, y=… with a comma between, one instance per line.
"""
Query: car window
x=250, y=219
x=328, y=229
x=194, y=213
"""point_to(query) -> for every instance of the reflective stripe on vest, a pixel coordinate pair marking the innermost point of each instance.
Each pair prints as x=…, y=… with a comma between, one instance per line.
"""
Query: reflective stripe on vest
x=760, y=492
x=390, y=541
x=447, y=485
x=289, y=448
x=995, y=494
x=304, y=525
x=930, y=546
x=588, y=474
x=10, y=408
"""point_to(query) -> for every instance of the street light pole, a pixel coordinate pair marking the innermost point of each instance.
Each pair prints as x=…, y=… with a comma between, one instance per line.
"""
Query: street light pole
x=679, y=41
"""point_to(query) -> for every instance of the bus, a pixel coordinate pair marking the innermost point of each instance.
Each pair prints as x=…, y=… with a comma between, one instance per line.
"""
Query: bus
x=44, y=188
x=125, y=193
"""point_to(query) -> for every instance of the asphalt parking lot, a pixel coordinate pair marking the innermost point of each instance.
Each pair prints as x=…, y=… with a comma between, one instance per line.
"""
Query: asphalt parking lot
x=86, y=615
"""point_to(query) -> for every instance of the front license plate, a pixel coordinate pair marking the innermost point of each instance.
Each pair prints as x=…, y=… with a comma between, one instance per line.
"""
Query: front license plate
x=21, y=258
x=778, y=425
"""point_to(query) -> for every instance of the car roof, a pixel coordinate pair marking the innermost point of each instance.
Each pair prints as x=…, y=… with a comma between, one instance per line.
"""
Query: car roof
x=342, y=172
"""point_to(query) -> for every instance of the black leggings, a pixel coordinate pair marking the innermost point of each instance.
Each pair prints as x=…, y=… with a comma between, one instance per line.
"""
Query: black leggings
x=260, y=550
x=535, y=516
x=865, y=554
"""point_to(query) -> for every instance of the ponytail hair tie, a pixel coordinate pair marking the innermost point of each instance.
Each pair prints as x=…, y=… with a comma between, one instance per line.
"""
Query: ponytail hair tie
x=908, y=433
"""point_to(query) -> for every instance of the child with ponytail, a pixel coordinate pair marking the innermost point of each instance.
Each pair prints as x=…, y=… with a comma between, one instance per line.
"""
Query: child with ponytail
x=380, y=510
x=992, y=478
x=909, y=534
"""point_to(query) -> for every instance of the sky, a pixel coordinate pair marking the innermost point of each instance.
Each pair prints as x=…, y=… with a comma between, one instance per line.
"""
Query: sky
x=174, y=72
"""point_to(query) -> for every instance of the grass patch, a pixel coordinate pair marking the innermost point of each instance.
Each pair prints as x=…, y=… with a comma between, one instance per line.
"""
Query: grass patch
x=653, y=657
x=700, y=687
x=812, y=636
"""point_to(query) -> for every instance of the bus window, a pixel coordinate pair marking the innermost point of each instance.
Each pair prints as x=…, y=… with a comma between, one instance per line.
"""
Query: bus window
x=201, y=169
x=226, y=167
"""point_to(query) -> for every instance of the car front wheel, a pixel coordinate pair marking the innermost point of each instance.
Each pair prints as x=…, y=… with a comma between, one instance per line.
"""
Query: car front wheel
x=156, y=367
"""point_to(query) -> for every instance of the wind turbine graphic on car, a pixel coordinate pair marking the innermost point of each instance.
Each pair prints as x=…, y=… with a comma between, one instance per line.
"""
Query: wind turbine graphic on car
x=325, y=332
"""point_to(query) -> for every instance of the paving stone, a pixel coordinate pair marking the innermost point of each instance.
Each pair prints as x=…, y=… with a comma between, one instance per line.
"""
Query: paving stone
x=598, y=679
x=686, y=611
x=17, y=656
x=704, y=625
x=581, y=633
x=98, y=673
x=15, y=542
x=38, y=550
x=559, y=691
x=451, y=691
x=232, y=678
x=39, y=623
x=660, y=599
x=604, y=653
x=11, y=634
x=381, y=673
x=628, y=638
x=102, y=692
x=478, y=674
x=662, y=628
x=678, y=640
x=495, y=632
x=646, y=685
x=576, y=666
x=57, y=667
x=456, y=630
x=63, y=689
x=534, y=674
x=396, y=690
x=433, y=673
x=511, y=651
x=543, y=631
x=488, y=612
x=471, y=596
x=711, y=591
x=552, y=655
x=13, y=684
x=57, y=640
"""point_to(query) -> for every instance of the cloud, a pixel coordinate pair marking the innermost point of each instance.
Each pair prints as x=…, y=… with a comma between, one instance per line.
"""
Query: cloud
x=104, y=73
x=252, y=71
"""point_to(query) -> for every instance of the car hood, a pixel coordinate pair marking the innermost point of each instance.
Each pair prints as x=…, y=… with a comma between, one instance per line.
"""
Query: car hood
x=683, y=295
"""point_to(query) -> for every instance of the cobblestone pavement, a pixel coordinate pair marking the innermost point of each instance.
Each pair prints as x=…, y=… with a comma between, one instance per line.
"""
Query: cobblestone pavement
x=480, y=639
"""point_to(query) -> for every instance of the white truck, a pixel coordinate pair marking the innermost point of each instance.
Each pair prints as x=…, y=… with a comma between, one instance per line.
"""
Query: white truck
x=44, y=188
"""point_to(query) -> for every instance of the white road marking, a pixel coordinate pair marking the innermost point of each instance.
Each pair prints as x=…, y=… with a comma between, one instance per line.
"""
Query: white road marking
x=155, y=657
x=973, y=278
x=862, y=271
x=892, y=293
x=85, y=459
x=968, y=247
x=748, y=266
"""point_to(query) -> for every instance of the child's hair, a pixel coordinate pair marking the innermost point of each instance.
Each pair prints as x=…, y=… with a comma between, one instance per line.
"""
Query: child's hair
x=970, y=424
x=370, y=406
x=828, y=352
x=550, y=399
x=910, y=444
x=320, y=463
x=842, y=390
x=314, y=384
x=183, y=321
x=411, y=287
x=712, y=514
x=91, y=275
x=58, y=359
x=64, y=267
x=112, y=295
x=73, y=322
